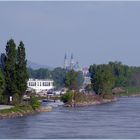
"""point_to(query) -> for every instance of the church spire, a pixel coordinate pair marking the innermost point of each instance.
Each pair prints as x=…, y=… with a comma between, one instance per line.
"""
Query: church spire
x=65, y=56
x=71, y=62
x=71, y=56
x=65, y=61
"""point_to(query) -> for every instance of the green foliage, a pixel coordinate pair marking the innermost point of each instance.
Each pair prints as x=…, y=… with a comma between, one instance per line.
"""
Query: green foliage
x=2, y=86
x=41, y=73
x=124, y=75
x=130, y=90
x=16, y=99
x=121, y=72
x=80, y=78
x=135, y=77
x=58, y=75
x=19, y=108
x=34, y=102
x=71, y=80
x=21, y=70
x=67, y=97
x=15, y=72
x=108, y=96
x=10, y=68
x=102, y=78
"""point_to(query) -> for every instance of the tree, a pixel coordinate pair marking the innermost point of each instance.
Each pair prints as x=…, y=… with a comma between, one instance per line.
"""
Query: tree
x=58, y=75
x=80, y=78
x=2, y=86
x=122, y=73
x=10, y=69
x=21, y=70
x=71, y=80
x=102, y=79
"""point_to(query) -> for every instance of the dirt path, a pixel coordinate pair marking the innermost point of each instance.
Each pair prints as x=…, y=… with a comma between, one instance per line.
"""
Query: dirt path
x=5, y=106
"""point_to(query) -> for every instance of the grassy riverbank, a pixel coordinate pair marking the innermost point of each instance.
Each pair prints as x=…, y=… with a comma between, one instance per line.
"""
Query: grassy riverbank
x=130, y=91
x=31, y=107
x=22, y=110
x=16, y=111
x=82, y=99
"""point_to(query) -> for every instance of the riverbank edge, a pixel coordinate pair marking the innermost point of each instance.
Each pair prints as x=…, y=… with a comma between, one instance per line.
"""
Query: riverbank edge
x=91, y=103
x=129, y=95
x=25, y=112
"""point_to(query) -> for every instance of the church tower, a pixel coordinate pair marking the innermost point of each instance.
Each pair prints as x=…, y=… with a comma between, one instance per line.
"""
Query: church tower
x=71, y=62
x=65, y=61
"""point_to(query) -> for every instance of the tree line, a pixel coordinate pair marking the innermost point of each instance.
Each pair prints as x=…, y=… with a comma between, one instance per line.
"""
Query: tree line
x=13, y=73
x=61, y=77
x=104, y=77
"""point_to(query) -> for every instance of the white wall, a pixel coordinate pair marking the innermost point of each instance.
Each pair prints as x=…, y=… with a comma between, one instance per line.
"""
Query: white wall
x=40, y=85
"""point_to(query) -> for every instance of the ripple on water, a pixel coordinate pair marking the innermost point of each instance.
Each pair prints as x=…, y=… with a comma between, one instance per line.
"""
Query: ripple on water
x=114, y=120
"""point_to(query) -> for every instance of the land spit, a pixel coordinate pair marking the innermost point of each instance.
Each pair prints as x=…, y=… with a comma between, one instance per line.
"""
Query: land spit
x=22, y=113
x=92, y=100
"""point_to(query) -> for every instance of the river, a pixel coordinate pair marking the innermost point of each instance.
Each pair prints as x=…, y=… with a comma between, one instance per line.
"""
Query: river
x=119, y=119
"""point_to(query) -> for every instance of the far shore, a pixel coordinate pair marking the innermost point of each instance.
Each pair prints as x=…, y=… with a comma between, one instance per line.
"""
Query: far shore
x=129, y=95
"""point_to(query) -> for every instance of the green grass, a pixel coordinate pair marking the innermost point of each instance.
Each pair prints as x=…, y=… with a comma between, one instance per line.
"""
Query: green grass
x=129, y=91
x=20, y=108
x=133, y=89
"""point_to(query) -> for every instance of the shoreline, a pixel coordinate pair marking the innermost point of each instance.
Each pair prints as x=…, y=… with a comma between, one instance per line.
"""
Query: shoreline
x=129, y=95
x=91, y=103
x=23, y=113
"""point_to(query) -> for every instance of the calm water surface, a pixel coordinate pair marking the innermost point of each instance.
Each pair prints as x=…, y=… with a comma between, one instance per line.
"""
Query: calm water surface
x=120, y=119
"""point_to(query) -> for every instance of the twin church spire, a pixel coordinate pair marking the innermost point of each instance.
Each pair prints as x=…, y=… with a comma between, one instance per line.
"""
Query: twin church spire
x=70, y=65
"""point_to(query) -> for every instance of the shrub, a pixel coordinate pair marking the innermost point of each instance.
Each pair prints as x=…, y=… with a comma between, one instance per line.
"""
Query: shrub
x=108, y=96
x=34, y=102
x=67, y=97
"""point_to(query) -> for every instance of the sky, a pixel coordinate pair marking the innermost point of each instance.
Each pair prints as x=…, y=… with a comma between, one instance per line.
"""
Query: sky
x=95, y=32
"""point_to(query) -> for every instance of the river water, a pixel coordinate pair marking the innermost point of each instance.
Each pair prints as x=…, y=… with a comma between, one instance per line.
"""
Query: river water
x=119, y=119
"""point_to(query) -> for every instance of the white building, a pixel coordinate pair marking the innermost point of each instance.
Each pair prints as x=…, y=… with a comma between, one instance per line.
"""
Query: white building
x=40, y=85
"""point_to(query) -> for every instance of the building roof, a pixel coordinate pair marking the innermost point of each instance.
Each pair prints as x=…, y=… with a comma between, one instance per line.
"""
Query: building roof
x=32, y=79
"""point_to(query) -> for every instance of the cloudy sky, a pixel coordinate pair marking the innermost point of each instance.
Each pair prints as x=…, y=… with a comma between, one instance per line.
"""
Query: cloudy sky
x=95, y=32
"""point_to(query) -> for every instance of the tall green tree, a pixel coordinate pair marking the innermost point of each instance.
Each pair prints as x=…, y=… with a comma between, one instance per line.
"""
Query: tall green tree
x=121, y=72
x=71, y=80
x=2, y=86
x=21, y=70
x=10, y=69
x=102, y=79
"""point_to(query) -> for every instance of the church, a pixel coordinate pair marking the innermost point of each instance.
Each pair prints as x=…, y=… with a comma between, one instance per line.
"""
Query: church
x=71, y=65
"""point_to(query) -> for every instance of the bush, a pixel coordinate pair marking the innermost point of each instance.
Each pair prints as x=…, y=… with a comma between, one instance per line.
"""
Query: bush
x=34, y=102
x=67, y=97
x=16, y=99
x=108, y=96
